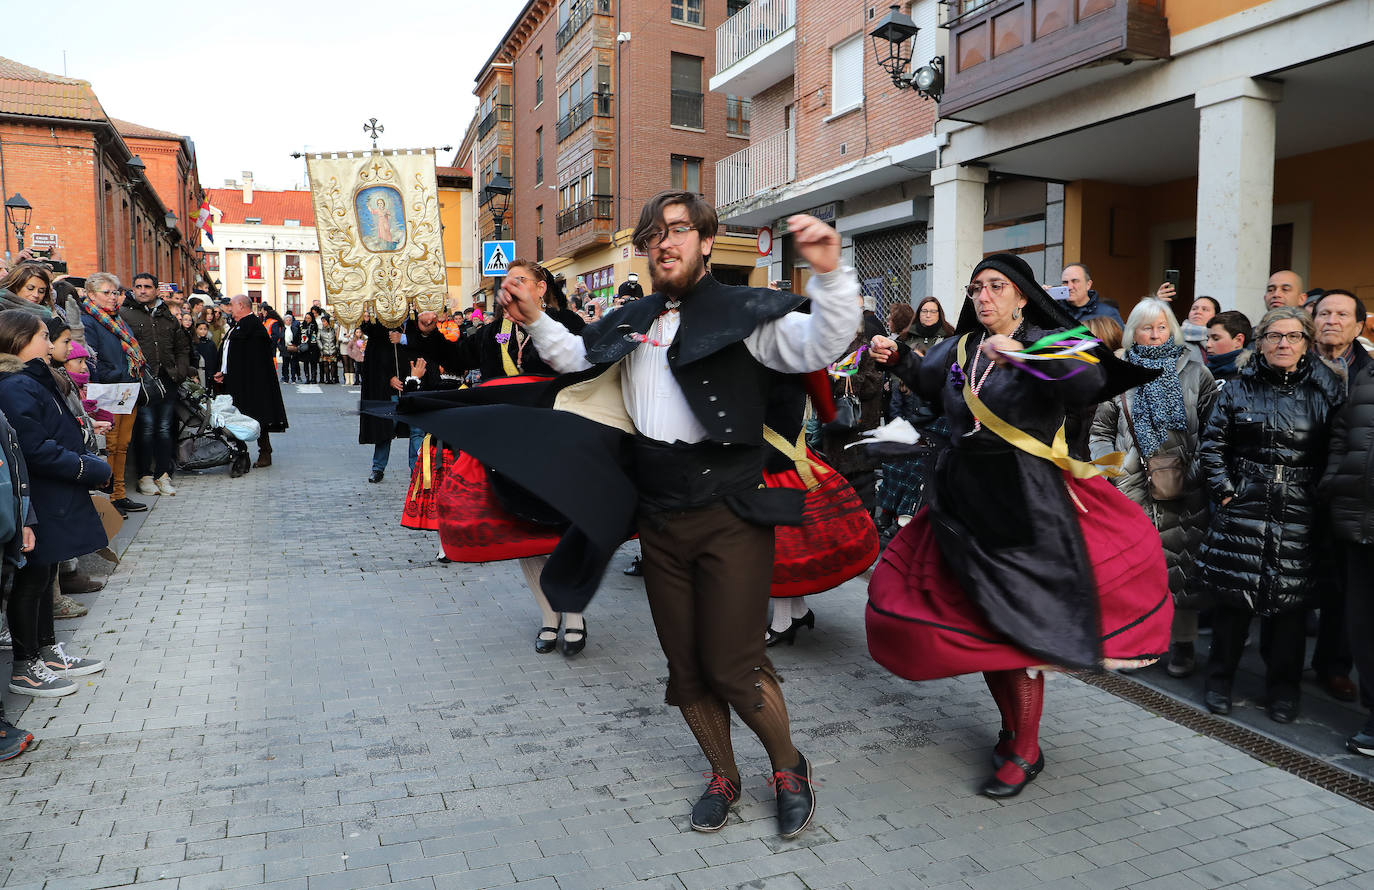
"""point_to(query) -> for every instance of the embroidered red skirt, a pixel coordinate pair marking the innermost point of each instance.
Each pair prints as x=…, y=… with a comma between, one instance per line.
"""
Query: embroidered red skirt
x=474, y=528
x=922, y=626
x=422, y=497
x=836, y=541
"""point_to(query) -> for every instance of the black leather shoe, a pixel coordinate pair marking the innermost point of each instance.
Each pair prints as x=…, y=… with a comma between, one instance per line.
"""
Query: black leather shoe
x=1182, y=660
x=1217, y=702
x=1339, y=687
x=713, y=809
x=796, y=798
x=997, y=789
x=1283, y=710
x=1362, y=742
x=789, y=636
x=376, y=476
x=998, y=758
x=636, y=569
x=543, y=646
x=124, y=505
x=572, y=647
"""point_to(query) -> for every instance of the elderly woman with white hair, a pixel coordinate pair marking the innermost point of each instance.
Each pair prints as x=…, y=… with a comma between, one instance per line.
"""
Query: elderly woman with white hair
x=1158, y=426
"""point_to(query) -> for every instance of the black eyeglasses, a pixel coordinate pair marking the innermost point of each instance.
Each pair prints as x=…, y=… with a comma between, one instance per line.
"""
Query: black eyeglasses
x=675, y=234
x=1291, y=337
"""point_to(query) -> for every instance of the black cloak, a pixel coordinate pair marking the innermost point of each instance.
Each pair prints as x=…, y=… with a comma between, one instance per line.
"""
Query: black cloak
x=251, y=374
x=379, y=366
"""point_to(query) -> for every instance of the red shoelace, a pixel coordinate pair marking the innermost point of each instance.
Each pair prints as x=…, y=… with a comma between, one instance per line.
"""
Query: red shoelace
x=721, y=785
x=786, y=780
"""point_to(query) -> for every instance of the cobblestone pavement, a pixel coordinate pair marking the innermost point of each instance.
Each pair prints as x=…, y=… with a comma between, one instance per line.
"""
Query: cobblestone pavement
x=299, y=697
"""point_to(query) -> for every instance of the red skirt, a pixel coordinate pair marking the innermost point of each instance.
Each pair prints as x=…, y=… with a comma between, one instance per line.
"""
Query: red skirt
x=474, y=528
x=922, y=626
x=836, y=541
x=422, y=497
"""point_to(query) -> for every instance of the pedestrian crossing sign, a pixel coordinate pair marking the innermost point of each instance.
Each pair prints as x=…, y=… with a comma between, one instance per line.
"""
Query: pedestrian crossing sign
x=496, y=256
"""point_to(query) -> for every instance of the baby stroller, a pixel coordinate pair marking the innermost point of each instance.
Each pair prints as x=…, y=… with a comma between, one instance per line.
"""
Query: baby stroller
x=202, y=441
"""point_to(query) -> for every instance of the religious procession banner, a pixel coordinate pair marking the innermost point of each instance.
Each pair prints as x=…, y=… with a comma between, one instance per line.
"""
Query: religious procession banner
x=377, y=218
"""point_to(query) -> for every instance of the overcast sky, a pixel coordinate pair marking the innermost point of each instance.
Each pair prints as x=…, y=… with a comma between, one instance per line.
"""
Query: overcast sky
x=254, y=80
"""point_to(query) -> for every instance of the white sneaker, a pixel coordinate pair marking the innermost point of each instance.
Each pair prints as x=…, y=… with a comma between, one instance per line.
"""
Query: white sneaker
x=146, y=485
x=164, y=485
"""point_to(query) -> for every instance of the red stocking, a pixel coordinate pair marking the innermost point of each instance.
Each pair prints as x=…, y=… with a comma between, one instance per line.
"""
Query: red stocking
x=1026, y=701
x=1001, y=691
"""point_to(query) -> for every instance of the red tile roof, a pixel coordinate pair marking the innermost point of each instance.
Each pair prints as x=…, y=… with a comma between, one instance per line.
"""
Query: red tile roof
x=25, y=90
x=138, y=131
x=273, y=208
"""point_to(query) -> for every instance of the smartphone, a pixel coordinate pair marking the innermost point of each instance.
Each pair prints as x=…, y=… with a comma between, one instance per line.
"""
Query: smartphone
x=785, y=284
x=1058, y=291
x=1171, y=277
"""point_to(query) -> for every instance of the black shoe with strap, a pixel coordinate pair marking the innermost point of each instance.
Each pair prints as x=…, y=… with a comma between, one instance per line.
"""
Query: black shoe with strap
x=545, y=646
x=997, y=789
x=796, y=795
x=713, y=809
x=573, y=646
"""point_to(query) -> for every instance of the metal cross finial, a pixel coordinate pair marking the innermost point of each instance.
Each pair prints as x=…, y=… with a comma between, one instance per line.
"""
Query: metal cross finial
x=373, y=129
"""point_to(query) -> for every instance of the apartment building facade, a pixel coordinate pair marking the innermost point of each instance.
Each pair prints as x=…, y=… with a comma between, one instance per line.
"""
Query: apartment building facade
x=265, y=246
x=587, y=108
x=1222, y=138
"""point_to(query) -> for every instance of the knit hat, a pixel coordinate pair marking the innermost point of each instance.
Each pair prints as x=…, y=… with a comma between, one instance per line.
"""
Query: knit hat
x=1043, y=311
x=78, y=351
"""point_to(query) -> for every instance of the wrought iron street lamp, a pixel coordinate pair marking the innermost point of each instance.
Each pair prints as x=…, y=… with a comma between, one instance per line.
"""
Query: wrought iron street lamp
x=893, y=42
x=496, y=198
x=18, y=212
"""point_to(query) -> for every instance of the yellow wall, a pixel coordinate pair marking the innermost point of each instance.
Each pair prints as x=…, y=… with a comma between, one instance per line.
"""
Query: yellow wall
x=455, y=215
x=1184, y=15
x=1334, y=181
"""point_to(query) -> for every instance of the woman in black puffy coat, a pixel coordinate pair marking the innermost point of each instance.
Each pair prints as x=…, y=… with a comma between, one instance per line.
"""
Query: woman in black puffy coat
x=1263, y=453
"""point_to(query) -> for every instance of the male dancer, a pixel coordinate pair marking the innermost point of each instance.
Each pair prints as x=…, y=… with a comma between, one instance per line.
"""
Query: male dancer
x=699, y=361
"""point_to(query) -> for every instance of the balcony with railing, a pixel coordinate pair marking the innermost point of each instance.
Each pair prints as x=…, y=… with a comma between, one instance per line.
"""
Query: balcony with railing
x=498, y=114
x=595, y=105
x=1009, y=54
x=595, y=207
x=292, y=273
x=688, y=109
x=767, y=163
x=578, y=15
x=754, y=47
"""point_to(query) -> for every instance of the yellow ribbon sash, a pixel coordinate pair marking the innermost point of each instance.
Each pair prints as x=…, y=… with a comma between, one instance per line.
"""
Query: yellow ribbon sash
x=1057, y=453
x=425, y=479
x=507, y=363
x=809, y=470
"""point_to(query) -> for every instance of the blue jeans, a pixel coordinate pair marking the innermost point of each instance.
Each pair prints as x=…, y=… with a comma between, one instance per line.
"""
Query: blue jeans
x=153, y=432
x=417, y=441
x=381, y=453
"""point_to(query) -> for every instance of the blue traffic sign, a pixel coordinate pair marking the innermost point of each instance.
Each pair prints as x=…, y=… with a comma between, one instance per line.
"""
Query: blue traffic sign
x=496, y=256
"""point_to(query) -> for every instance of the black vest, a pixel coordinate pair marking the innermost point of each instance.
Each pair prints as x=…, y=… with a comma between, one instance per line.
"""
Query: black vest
x=725, y=386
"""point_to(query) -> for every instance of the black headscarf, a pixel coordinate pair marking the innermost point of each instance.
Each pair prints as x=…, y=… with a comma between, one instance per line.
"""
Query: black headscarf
x=1042, y=311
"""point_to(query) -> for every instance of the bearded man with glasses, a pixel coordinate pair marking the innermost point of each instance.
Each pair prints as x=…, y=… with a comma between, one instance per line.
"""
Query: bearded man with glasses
x=699, y=362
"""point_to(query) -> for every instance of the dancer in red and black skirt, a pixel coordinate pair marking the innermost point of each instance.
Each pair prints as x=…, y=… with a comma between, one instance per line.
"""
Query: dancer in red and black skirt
x=1024, y=558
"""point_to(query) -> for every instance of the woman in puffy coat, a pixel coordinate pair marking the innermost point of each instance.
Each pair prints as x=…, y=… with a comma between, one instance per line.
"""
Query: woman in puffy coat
x=1263, y=450
x=1165, y=416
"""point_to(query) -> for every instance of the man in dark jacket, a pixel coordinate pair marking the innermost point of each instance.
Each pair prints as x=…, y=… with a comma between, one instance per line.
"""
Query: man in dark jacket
x=1084, y=302
x=248, y=374
x=426, y=352
x=381, y=363
x=168, y=353
x=1348, y=488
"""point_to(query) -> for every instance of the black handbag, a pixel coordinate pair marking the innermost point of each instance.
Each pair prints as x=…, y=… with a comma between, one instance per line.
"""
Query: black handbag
x=153, y=387
x=847, y=411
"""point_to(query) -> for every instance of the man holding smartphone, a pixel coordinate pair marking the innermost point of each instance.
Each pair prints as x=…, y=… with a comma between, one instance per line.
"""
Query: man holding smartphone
x=1083, y=302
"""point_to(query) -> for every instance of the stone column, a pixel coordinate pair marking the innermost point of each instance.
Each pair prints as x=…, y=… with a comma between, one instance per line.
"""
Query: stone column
x=956, y=241
x=1235, y=192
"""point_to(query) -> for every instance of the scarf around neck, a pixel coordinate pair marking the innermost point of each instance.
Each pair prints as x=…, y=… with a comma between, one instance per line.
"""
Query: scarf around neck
x=1157, y=406
x=115, y=325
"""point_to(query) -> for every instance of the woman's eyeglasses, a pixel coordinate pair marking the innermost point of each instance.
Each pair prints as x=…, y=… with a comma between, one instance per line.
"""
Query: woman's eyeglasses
x=997, y=287
x=1276, y=337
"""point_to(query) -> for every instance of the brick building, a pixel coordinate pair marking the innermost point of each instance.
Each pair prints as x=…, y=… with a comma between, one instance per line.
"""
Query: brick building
x=589, y=108
x=829, y=134
x=265, y=246
x=115, y=196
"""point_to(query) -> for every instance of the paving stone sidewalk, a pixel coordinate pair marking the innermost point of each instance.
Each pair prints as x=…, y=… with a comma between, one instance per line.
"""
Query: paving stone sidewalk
x=299, y=697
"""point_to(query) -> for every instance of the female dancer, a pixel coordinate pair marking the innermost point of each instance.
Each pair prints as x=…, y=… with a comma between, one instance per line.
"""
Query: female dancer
x=1024, y=557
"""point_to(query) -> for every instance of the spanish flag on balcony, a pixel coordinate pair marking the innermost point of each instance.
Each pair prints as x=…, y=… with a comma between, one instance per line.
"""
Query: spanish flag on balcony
x=203, y=220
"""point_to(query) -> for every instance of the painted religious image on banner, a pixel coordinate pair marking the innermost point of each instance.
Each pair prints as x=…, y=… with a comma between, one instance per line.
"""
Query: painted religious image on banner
x=381, y=218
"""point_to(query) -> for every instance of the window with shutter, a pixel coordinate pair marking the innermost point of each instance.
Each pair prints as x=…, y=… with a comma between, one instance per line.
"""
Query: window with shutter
x=847, y=74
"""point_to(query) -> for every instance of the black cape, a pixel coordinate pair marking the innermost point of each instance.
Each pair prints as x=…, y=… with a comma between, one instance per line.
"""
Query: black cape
x=379, y=366
x=251, y=374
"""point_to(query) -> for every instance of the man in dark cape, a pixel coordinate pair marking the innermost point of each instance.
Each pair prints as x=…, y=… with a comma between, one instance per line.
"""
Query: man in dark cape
x=382, y=361
x=249, y=374
x=699, y=361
